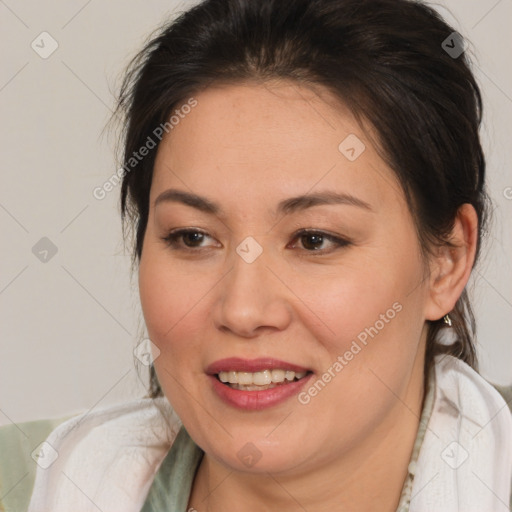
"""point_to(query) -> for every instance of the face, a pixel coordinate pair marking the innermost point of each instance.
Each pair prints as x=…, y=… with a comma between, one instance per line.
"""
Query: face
x=234, y=267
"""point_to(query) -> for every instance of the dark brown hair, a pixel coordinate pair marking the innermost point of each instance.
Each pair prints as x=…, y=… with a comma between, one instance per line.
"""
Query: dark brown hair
x=384, y=59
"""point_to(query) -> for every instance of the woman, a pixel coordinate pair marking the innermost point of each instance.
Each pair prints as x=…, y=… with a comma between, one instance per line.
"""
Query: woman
x=305, y=181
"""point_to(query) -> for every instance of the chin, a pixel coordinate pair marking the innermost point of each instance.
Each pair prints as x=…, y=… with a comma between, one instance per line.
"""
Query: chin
x=252, y=452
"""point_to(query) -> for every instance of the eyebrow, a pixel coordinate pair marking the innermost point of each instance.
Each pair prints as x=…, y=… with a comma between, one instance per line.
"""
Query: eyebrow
x=286, y=207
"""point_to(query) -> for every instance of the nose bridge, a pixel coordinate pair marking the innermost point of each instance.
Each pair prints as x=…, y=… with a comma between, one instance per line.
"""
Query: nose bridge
x=249, y=277
x=251, y=296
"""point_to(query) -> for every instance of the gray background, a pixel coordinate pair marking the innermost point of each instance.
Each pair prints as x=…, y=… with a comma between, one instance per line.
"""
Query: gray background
x=69, y=325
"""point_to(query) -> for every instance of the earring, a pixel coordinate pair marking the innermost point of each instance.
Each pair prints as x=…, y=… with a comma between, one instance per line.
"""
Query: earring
x=447, y=320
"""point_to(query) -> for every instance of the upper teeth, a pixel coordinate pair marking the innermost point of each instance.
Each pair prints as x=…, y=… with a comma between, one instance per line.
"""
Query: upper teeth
x=259, y=378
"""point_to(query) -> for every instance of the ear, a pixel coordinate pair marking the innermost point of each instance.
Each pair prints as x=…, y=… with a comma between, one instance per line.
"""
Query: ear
x=451, y=266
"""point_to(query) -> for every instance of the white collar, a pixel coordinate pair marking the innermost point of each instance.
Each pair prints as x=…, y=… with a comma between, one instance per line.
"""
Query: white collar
x=465, y=462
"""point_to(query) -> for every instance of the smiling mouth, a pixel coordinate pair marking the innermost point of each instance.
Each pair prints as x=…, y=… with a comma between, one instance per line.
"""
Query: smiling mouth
x=259, y=381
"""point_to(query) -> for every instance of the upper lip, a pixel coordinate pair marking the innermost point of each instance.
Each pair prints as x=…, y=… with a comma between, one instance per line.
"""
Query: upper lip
x=237, y=364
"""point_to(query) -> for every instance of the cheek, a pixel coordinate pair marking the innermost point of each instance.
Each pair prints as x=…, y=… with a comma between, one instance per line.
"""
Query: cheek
x=368, y=325
x=160, y=306
x=173, y=304
x=172, y=307
x=340, y=306
x=154, y=298
x=368, y=337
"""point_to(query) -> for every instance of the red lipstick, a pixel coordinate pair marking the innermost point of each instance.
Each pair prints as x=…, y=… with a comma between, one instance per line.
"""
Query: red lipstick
x=255, y=400
x=237, y=364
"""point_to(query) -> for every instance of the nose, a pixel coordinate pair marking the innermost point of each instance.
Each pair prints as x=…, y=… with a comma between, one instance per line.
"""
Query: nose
x=252, y=300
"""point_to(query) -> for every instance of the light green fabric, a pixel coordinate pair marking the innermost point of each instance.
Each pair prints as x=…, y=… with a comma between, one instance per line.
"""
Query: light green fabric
x=172, y=484
x=506, y=393
x=17, y=468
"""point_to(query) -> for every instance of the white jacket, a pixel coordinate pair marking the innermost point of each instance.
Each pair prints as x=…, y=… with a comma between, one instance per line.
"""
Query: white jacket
x=106, y=459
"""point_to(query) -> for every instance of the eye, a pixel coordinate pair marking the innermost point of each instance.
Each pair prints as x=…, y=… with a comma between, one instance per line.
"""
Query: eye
x=192, y=239
x=313, y=240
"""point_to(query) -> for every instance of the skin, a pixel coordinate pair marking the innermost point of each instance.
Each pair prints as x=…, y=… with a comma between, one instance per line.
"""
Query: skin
x=247, y=147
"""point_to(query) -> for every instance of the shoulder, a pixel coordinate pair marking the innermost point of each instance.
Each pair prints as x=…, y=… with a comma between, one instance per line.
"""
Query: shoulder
x=474, y=396
x=104, y=459
x=470, y=421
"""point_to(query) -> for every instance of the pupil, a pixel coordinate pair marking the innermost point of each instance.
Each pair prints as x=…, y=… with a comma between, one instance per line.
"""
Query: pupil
x=194, y=237
x=315, y=239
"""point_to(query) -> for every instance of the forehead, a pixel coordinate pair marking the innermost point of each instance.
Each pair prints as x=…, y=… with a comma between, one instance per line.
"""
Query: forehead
x=277, y=115
x=269, y=141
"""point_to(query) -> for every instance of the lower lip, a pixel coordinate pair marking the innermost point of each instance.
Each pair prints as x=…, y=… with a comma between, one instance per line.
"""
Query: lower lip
x=257, y=400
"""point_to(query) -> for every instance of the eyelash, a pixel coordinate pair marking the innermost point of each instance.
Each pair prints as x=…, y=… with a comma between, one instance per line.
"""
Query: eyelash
x=172, y=238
